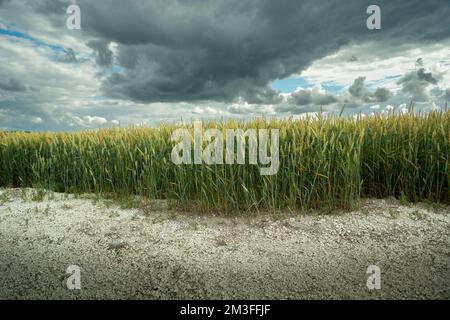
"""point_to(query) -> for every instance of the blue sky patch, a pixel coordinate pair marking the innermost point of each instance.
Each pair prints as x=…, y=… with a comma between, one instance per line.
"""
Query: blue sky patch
x=290, y=84
x=36, y=42
x=332, y=87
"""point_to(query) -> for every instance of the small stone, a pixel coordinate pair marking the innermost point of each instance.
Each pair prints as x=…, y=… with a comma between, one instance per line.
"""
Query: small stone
x=117, y=245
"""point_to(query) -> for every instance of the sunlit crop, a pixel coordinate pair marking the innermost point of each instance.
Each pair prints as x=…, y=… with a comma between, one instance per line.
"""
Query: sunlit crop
x=325, y=162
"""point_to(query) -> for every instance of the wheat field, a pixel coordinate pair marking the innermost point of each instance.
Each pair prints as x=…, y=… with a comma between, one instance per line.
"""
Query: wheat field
x=325, y=162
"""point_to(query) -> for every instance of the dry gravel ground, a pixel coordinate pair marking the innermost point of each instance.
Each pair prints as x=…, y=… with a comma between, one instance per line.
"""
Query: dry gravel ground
x=162, y=254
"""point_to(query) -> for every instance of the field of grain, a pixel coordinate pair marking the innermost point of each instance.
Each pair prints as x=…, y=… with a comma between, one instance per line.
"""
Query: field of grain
x=326, y=162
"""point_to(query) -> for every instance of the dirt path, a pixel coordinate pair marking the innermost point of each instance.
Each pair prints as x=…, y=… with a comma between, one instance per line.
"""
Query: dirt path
x=163, y=254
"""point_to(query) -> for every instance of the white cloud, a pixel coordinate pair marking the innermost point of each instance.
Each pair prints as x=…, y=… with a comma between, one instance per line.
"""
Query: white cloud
x=85, y=121
x=36, y=120
x=380, y=65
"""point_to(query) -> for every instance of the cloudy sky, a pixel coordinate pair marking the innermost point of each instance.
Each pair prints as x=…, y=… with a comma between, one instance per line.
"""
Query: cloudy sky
x=151, y=61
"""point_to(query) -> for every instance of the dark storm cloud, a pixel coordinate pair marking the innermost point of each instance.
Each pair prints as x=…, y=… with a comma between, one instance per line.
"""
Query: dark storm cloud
x=359, y=90
x=382, y=94
x=426, y=76
x=103, y=55
x=220, y=50
x=415, y=83
x=419, y=62
x=52, y=7
x=307, y=97
x=12, y=85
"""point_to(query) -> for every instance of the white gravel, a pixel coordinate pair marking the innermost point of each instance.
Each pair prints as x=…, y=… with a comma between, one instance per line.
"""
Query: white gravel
x=163, y=254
